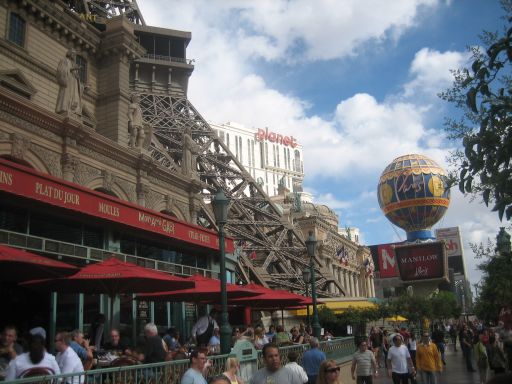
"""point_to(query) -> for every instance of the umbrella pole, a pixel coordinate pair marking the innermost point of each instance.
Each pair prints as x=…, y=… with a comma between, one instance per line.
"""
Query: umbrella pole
x=112, y=311
x=282, y=316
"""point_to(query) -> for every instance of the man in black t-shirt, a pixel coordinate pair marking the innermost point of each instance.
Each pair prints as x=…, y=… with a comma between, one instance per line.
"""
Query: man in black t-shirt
x=154, y=351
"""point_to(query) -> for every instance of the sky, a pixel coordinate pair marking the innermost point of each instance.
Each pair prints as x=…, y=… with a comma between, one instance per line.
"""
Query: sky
x=355, y=81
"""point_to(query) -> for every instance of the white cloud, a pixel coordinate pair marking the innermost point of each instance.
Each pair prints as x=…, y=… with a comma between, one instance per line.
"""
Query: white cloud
x=430, y=70
x=290, y=30
x=477, y=224
x=363, y=134
x=332, y=201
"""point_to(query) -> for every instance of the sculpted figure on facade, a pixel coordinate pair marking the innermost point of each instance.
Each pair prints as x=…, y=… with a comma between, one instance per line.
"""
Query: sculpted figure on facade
x=69, y=99
x=190, y=152
x=135, y=123
x=20, y=146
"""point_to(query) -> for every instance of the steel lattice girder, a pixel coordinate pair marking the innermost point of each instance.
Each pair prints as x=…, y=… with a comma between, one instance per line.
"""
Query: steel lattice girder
x=254, y=221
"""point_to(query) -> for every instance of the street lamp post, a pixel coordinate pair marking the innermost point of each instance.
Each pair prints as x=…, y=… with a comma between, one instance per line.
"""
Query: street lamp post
x=220, y=208
x=311, y=247
x=306, y=276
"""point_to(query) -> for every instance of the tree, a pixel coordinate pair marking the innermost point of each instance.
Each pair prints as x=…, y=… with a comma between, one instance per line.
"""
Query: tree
x=414, y=308
x=444, y=306
x=495, y=289
x=483, y=93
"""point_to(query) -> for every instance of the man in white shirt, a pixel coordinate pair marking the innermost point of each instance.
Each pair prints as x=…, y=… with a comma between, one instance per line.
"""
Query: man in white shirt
x=202, y=330
x=68, y=360
x=399, y=359
x=292, y=365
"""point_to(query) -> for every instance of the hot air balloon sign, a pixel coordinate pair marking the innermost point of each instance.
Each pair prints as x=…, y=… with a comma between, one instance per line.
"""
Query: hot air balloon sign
x=413, y=193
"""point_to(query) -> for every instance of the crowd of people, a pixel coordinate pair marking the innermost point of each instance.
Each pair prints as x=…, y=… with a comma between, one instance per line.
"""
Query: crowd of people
x=402, y=356
x=77, y=352
x=484, y=349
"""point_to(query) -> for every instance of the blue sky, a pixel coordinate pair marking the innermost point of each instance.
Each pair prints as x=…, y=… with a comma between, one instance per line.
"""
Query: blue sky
x=356, y=81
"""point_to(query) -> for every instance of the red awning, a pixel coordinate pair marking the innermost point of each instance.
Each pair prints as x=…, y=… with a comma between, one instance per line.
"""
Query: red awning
x=206, y=290
x=29, y=183
x=20, y=265
x=272, y=299
x=113, y=277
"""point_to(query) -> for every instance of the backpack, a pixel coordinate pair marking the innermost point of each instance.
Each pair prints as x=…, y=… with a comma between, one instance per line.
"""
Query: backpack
x=205, y=337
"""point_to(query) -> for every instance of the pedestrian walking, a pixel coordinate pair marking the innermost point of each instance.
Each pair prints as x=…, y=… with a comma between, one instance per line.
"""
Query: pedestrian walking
x=412, y=345
x=453, y=336
x=364, y=365
x=482, y=359
x=400, y=362
x=385, y=346
x=329, y=373
x=497, y=357
x=438, y=339
x=312, y=359
x=466, y=340
x=428, y=360
x=195, y=373
x=273, y=372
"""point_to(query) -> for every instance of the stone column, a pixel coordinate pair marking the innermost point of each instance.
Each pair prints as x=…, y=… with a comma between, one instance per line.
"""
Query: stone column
x=356, y=284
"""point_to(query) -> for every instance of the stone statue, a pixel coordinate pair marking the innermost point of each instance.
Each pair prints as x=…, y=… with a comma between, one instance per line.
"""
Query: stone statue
x=190, y=152
x=69, y=99
x=135, y=123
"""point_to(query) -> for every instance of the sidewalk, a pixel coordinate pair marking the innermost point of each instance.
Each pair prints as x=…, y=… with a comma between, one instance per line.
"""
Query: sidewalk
x=454, y=372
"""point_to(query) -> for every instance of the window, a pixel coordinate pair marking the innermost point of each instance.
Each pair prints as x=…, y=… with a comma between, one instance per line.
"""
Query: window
x=297, y=161
x=249, y=158
x=262, y=155
x=17, y=29
x=82, y=65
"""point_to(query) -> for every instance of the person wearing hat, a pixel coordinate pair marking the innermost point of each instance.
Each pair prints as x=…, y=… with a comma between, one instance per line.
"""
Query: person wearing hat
x=400, y=361
x=36, y=358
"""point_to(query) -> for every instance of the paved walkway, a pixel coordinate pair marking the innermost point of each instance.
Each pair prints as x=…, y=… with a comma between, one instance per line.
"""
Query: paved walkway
x=454, y=372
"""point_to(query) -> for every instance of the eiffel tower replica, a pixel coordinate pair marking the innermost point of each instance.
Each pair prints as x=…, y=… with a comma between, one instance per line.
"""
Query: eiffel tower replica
x=276, y=247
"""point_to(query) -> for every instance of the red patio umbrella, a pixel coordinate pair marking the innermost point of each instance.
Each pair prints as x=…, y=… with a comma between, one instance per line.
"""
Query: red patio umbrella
x=19, y=265
x=112, y=277
x=271, y=299
x=206, y=289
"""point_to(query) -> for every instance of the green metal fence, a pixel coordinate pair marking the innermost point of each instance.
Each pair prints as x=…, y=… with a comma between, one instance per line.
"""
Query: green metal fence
x=340, y=349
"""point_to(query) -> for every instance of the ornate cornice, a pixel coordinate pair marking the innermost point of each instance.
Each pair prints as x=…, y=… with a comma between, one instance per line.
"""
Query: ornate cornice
x=55, y=17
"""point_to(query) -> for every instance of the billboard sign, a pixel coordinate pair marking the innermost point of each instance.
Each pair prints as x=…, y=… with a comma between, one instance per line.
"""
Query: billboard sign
x=384, y=257
x=420, y=262
x=451, y=236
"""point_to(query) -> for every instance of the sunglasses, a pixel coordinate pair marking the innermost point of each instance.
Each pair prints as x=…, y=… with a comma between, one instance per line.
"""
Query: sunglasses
x=332, y=370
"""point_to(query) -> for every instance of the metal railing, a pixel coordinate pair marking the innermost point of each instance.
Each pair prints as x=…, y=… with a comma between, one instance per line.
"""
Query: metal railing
x=61, y=248
x=168, y=58
x=340, y=350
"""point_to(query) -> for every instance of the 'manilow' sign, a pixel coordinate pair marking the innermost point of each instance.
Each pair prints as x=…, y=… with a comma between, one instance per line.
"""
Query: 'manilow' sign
x=425, y=261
